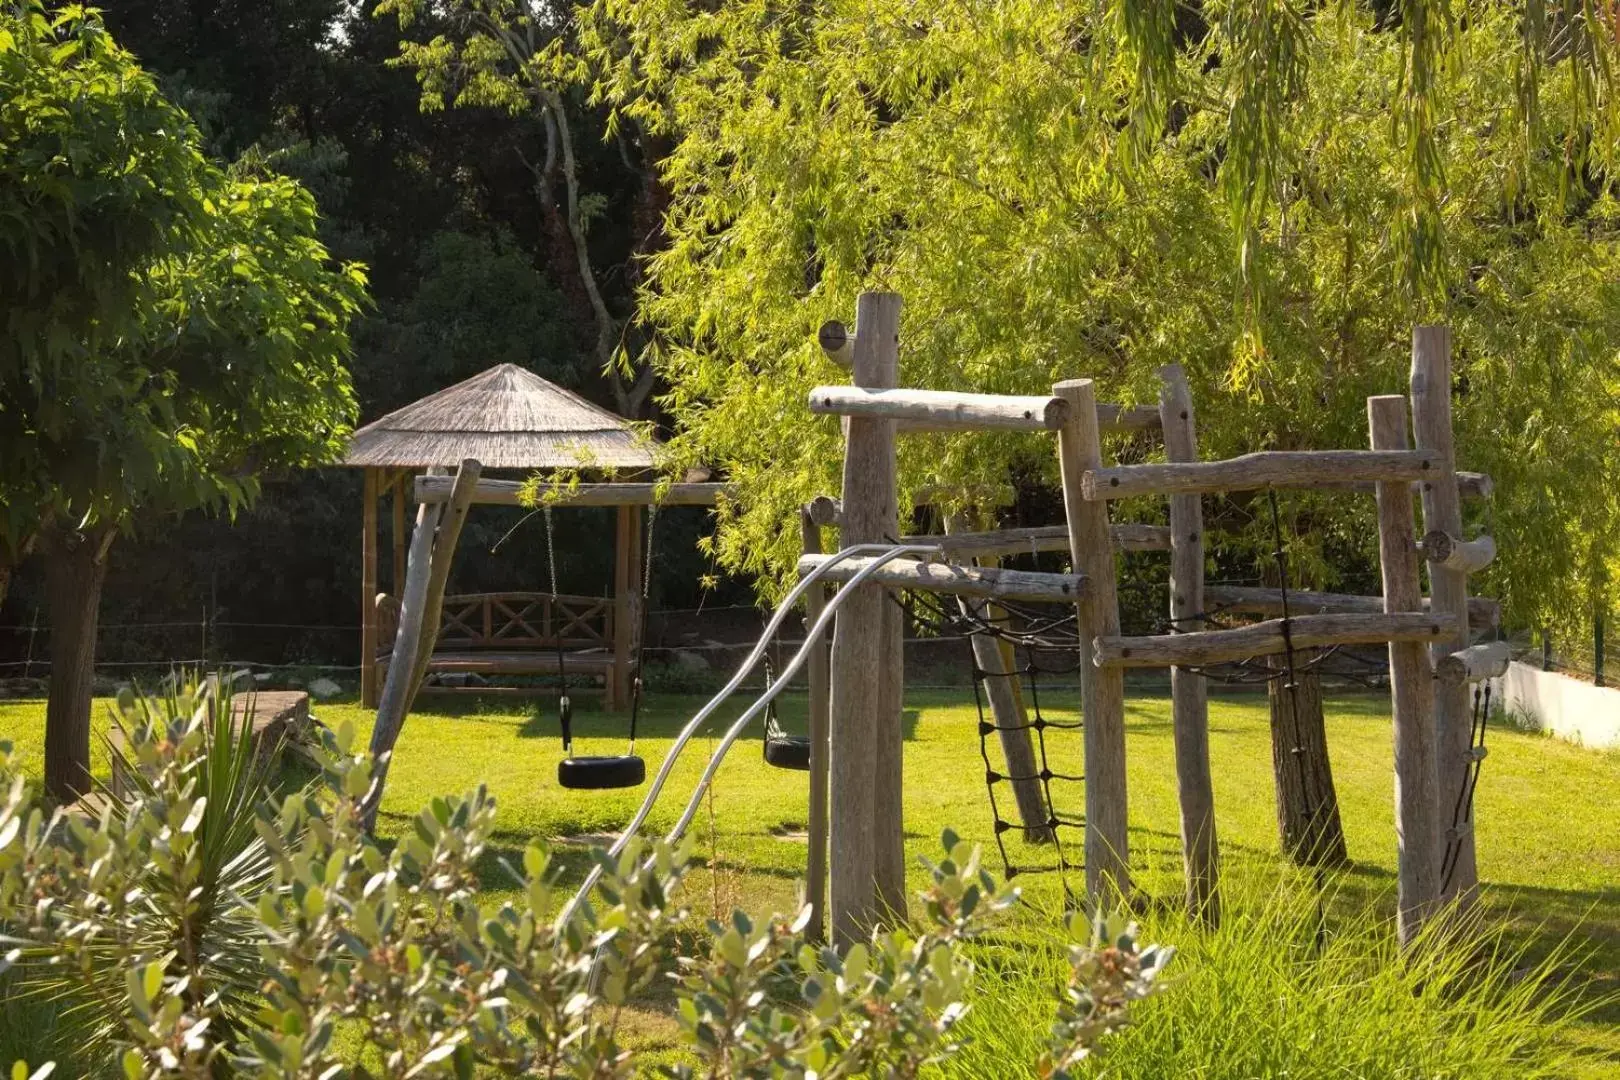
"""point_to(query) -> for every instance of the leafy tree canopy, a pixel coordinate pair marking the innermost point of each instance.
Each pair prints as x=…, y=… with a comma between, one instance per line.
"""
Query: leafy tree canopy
x=172, y=329
x=1268, y=193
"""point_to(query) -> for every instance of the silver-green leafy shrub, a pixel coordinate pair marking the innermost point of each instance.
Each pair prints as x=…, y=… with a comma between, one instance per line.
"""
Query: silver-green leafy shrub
x=204, y=926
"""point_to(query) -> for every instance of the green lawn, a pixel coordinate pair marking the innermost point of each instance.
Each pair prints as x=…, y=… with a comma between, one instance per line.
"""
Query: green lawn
x=1548, y=834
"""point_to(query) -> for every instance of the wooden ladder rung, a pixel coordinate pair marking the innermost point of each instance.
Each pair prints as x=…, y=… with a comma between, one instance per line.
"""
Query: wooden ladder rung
x=1269, y=468
x=988, y=582
x=1266, y=638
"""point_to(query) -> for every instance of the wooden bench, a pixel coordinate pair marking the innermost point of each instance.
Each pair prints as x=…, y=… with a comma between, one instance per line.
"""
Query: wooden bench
x=512, y=634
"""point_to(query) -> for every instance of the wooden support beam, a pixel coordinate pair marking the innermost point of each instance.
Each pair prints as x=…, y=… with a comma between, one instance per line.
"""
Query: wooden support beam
x=1000, y=542
x=837, y=342
x=1476, y=663
x=1189, y=696
x=1266, y=469
x=1000, y=685
x=396, y=691
x=824, y=510
x=436, y=489
x=942, y=410
x=950, y=410
x=985, y=582
x=1450, y=553
x=444, y=553
x=1265, y=638
x=860, y=642
x=1411, y=689
x=1102, y=690
x=1255, y=600
x=368, y=591
x=819, y=675
x=1448, y=588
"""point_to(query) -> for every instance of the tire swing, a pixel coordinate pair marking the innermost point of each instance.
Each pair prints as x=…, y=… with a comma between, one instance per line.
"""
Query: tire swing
x=782, y=751
x=605, y=772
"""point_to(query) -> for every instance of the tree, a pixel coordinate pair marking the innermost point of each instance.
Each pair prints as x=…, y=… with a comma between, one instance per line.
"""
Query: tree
x=1269, y=194
x=215, y=354
x=513, y=55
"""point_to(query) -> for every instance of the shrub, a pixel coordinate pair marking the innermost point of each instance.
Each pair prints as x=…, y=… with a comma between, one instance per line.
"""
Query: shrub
x=204, y=927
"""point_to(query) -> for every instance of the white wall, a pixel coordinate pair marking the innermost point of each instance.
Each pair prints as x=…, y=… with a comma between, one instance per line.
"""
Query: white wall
x=1569, y=708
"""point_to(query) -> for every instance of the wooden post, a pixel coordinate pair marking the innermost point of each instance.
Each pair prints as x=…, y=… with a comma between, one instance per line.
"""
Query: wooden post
x=1012, y=724
x=1102, y=690
x=859, y=666
x=368, y=591
x=819, y=677
x=444, y=553
x=626, y=603
x=1189, y=695
x=402, y=492
x=392, y=701
x=1448, y=588
x=1411, y=688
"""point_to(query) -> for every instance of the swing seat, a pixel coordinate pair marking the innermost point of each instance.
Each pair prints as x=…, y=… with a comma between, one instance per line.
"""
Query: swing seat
x=788, y=752
x=601, y=773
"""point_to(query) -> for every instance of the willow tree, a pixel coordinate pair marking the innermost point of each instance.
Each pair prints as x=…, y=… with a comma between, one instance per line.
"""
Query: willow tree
x=177, y=330
x=1269, y=193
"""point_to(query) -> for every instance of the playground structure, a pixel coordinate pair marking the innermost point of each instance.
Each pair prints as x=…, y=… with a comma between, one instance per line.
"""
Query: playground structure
x=856, y=857
x=1431, y=661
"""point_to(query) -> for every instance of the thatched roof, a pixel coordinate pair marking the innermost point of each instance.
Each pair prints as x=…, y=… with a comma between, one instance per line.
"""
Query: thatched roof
x=507, y=418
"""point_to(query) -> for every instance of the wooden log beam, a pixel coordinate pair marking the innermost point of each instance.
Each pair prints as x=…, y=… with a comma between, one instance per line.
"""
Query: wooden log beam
x=1448, y=590
x=999, y=542
x=1254, y=600
x=1189, y=695
x=819, y=676
x=837, y=342
x=941, y=409
x=1476, y=663
x=448, y=536
x=368, y=592
x=1411, y=690
x=1450, y=553
x=1266, y=638
x=1266, y=469
x=1102, y=690
x=987, y=582
x=436, y=489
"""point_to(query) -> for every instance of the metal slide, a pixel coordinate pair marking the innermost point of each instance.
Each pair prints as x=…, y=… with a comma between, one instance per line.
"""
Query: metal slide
x=883, y=554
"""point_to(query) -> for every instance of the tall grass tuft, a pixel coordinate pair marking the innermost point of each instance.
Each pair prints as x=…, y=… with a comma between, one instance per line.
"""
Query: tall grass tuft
x=1275, y=993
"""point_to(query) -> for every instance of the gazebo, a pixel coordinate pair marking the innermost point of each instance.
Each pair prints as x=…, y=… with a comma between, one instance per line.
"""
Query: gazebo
x=507, y=418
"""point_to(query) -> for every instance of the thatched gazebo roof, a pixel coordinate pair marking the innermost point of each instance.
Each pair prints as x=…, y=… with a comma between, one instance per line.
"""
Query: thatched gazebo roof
x=506, y=418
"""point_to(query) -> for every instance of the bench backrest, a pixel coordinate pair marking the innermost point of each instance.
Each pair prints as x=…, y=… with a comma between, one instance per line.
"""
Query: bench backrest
x=514, y=620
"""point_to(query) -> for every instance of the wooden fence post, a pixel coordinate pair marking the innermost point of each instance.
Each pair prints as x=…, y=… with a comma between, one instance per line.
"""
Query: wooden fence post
x=1448, y=589
x=859, y=729
x=1411, y=688
x=1102, y=689
x=368, y=592
x=819, y=678
x=1189, y=694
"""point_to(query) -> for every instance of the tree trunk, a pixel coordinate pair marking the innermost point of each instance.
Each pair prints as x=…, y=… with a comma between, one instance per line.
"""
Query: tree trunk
x=1307, y=805
x=5, y=580
x=75, y=565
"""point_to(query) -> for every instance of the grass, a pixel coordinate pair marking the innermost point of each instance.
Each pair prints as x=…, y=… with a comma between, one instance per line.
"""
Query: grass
x=1549, y=852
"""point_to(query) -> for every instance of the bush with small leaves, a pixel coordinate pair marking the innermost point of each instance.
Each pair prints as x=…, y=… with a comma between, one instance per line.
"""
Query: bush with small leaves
x=194, y=945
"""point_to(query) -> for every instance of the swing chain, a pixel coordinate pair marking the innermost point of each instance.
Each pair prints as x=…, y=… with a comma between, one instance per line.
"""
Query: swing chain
x=565, y=708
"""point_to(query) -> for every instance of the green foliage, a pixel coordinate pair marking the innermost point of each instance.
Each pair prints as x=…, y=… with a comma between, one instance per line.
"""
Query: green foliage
x=172, y=329
x=191, y=963
x=1270, y=194
x=1269, y=994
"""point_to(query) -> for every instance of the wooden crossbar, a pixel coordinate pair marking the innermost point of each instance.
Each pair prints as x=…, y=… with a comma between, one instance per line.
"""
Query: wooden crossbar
x=989, y=545
x=1268, y=468
x=949, y=410
x=1259, y=600
x=1266, y=638
x=988, y=582
x=436, y=489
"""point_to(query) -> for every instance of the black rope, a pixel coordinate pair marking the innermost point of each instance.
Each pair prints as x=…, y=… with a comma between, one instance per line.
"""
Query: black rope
x=641, y=635
x=565, y=708
x=1462, y=813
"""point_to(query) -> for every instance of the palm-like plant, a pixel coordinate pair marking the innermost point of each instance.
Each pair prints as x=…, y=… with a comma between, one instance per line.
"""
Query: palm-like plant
x=191, y=904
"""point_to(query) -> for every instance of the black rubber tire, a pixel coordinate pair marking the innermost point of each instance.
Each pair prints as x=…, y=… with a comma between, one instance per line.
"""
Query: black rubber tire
x=788, y=752
x=601, y=773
